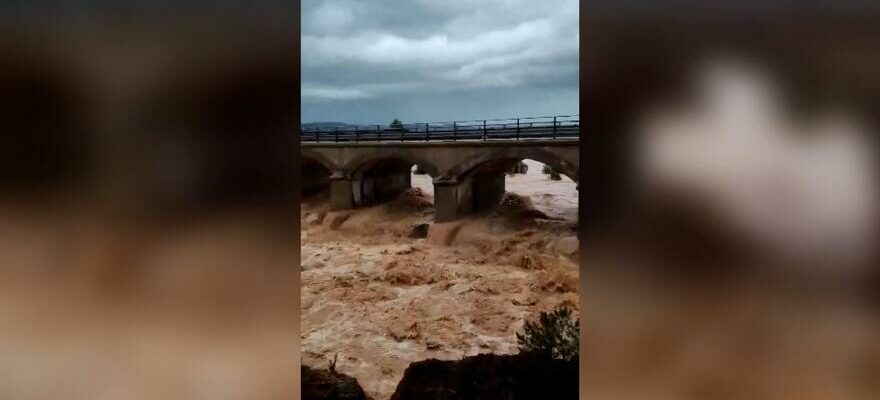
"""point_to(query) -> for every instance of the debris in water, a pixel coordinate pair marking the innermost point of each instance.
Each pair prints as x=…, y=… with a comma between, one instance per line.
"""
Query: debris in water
x=420, y=231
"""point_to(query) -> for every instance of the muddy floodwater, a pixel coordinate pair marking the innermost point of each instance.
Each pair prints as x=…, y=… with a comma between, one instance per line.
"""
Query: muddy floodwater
x=377, y=300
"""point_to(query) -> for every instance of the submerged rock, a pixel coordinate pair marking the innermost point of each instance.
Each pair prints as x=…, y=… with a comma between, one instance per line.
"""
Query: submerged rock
x=490, y=376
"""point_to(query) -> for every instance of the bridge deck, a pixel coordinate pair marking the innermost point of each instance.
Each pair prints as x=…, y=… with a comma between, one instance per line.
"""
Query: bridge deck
x=552, y=128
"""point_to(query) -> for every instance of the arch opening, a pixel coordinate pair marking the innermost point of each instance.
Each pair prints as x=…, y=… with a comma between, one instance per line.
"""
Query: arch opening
x=548, y=190
x=521, y=186
x=511, y=157
x=314, y=179
x=384, y=179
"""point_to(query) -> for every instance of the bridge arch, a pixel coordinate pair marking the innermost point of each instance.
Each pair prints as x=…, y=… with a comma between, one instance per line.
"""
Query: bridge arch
x=468, y=176
x=314, y=175
x=510, y=156
x=307, y=155
x=362, y=162
x=477, y=183
x=382, y=177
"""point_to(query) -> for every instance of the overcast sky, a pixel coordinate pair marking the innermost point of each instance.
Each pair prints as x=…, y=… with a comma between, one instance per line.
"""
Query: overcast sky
x=369, y=61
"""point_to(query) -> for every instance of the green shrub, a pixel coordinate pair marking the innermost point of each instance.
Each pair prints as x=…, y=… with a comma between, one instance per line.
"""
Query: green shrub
x=518, y=168
x=555, y=335
x=554, y=175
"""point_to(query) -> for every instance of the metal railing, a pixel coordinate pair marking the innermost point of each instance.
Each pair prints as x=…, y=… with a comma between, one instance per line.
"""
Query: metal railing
x=556, y=127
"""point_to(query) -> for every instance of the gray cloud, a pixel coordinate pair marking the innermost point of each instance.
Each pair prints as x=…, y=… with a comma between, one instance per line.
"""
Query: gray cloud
x=422, y=59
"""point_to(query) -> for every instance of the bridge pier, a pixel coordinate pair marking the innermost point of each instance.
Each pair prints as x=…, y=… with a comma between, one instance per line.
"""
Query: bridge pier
x=454, y=199
x=448, y=196
x=488, y=189
x=347, y=192
x=341, y=193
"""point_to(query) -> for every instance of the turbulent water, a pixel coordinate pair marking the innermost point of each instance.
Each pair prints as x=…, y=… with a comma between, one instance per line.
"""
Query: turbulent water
x=377, y=300
x=93, y=309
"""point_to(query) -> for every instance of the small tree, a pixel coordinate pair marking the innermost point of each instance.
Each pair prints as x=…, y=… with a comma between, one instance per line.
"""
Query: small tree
x=518, y=168
x=554, y=175
x=397, y=126
x=555, y=335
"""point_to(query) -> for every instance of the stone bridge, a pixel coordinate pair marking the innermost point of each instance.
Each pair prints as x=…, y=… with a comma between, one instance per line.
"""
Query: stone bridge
x=468, y=176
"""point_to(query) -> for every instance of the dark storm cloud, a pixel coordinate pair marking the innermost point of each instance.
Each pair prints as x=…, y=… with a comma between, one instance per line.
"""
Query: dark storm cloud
x=366, y=61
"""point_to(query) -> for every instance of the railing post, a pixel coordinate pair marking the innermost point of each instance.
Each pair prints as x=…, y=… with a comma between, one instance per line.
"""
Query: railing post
x=554, y=127
x=454, y=130
x=402, y=131
x=427, y=131
x=517, y=129
x=357, y=133
x=317, y=134
x=484, y=130
x=336, y=134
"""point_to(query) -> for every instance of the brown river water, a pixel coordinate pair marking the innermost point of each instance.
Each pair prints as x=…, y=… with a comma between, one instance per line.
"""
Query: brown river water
x=377, y=300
